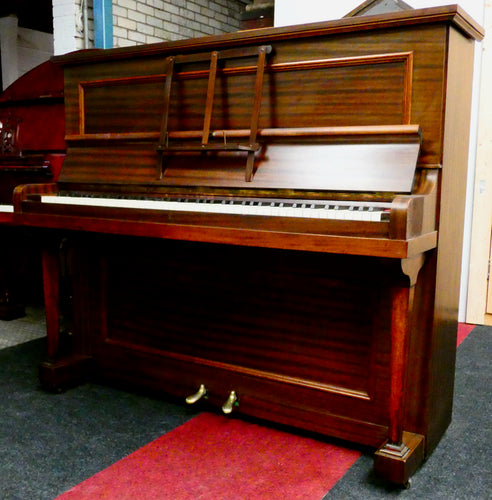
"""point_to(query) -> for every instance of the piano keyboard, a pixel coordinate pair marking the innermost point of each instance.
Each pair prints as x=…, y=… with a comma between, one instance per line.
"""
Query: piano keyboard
x=7, y=208
x=342, y=210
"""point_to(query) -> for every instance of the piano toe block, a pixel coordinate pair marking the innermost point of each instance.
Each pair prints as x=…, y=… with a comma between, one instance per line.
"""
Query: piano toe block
x=64, y=373
x=398, y=467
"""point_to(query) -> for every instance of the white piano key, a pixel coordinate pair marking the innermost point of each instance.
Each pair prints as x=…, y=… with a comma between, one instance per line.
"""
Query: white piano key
x=342, y=210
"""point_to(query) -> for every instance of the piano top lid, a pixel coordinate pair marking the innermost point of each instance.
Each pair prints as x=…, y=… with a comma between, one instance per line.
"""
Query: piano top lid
x=32, y=114
x=452, y=14
x=43, y=81
x=20, y=162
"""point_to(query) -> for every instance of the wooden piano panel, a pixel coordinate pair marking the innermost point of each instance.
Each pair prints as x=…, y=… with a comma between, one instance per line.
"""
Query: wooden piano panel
x=327, y=88
x=14, y=175
x=276, y=326
x=110, y=164
x=118, y=106
x=339, y=91
x=425, y=42
x=366, y=167
x=395, y=77
x=278, y=315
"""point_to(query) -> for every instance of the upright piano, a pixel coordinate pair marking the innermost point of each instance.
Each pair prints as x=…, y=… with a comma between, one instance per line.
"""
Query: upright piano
x=32, y=147
x=270, y=222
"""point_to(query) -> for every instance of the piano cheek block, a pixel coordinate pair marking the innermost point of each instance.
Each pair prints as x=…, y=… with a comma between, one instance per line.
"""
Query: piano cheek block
x=408, y=218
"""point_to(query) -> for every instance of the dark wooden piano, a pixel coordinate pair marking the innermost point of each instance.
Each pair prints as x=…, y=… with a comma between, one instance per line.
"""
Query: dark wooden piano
x=32, y=147
x=270, y=221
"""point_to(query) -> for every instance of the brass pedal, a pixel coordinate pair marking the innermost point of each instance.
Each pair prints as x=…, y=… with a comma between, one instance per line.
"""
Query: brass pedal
x=232, y=401
x=194, y=398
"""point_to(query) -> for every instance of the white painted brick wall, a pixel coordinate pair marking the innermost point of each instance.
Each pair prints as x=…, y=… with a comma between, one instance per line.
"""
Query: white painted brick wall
x=21, y=49
x=146, y=21
x=167, y=20
x=68, y=25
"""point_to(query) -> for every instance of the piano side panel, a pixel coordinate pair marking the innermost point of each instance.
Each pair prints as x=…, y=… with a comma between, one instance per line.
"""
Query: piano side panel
x=35, y=102
x=44, y=80
x=17, y=175
x=41, y=126
x=432, y=350
x=451, y=226
x=34, y=106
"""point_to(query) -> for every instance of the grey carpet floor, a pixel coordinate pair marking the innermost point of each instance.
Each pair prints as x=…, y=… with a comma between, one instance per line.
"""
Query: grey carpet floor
x=51, y=442
x=31, y=326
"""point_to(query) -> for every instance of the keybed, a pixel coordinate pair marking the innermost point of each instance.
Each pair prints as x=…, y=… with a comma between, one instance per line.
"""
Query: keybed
x=317, y=209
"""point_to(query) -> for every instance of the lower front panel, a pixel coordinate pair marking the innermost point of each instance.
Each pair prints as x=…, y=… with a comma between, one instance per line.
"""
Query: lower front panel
x=302, y=338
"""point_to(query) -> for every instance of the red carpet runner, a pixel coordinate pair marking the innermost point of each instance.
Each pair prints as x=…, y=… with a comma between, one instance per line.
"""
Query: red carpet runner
x=213, y=458
x=217, y=458
x=463, y=330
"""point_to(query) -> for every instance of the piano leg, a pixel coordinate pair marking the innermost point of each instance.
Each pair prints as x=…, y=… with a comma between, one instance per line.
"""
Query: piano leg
x=61, y=370
x=51, y=284
x=403, y=453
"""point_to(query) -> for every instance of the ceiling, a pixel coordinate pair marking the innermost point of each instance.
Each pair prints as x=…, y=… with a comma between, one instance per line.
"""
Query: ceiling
x=35, y=14
x=32, y=14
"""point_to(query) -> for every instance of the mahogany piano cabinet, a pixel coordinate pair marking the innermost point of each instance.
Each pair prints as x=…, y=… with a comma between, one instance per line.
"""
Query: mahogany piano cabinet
x=270, y=221
x=32, y=127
